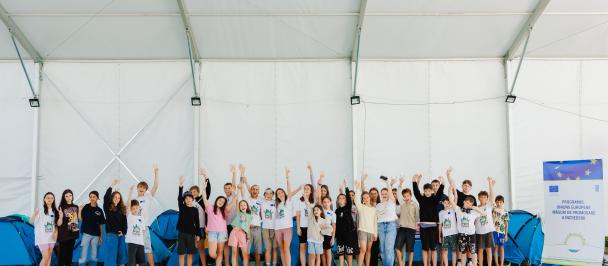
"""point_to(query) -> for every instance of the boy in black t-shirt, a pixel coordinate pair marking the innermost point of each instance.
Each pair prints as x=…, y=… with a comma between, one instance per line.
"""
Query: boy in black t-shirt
x=188, y=224
x=92, y=218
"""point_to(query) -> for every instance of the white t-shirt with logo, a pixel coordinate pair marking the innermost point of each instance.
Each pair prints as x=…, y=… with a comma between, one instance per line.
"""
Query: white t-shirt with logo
x=447, y=221
x=283, y=217
x=135, y=229
x=267, y=212
x=329, y=216
x=145, y=207
x=485, y=223
x=304, y=214
x=387, y=211
x=44, y=228
x=466, y=222
x=255, y=205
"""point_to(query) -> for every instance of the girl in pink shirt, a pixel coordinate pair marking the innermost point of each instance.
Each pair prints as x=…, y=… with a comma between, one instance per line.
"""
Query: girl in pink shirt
x=217, y=232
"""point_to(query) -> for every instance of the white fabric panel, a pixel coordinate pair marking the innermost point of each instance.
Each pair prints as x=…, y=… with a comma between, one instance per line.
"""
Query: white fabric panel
x=312, y=6
x=275, y=115
x=386, y=37
x=460, y=6
x=113, y=37
x=410, y=136
x=541, y=134
x=472, y=137
x=76, y=6
x=16, y=124
x=392, y=139
x=116, y=100
x=274, y=36
x=577, y=6
x=578, y=36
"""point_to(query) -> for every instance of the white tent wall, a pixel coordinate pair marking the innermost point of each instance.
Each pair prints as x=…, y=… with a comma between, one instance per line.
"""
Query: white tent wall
x=271, y=115
x=16, y=128
x=398, y=132
x=561, y=114
x=86, y=105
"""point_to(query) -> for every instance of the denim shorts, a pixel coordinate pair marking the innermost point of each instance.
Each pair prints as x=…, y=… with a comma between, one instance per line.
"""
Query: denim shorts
x=315, y=248
x=217, y=236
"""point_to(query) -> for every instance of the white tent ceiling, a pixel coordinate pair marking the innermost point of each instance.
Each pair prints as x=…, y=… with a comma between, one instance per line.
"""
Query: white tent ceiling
x=315, y=29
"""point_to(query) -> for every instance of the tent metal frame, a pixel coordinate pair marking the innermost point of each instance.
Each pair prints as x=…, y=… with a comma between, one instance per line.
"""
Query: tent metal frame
x=522, y=36
x=115, y=155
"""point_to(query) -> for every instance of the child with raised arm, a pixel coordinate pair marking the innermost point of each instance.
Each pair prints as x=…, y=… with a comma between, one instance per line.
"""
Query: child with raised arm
x=198, y=203
x=467, y=186
x=255, y=205
x=501, y=235
x=268, y=233
x=346, y=230
x=145, y=198
x=367, y=223
x=283, y=219
x=45, y=227
x=409, y=215
x=448, y=233
x=329, y=233
x=303, y=214
x=484, y=226
x=115, y=247
x=217, y=232
x=465, y=222
x=429, y=217
x=241, y=224
x=188, y=224
x=136, y=227
x=387, y=223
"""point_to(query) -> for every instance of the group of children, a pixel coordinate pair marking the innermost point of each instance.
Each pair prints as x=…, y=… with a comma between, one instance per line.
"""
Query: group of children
x=363, y=224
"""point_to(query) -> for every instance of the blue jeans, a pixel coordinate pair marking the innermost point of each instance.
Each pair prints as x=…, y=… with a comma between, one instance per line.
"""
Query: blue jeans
x=114, y=250
x=85, y=242
x=387, y=233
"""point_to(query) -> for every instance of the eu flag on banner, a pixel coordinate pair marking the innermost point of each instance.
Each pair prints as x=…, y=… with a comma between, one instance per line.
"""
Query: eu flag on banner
x=573, y=170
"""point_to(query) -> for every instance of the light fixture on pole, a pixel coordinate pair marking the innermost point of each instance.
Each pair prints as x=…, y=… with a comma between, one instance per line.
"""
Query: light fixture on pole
x=196, y=101
x=354, y=100
x=34, y=102
x=510, y=98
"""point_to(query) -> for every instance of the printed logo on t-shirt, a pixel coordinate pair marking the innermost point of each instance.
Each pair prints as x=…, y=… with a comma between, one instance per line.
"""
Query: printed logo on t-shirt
x=281, y=213
x=465, y=222
x=267, y=214
x=48, y=227
x=70, y=214
x=255, y=208
x=306, y=213
x=243, y=218
x=483, y=220
x=447, y=224
x=98, y=213
x=136, y=229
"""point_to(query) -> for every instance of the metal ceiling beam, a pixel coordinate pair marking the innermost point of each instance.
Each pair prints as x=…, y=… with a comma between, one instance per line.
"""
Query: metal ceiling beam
x=526, y=29
x=188, y=27
x=18, y=34
x=362, y=9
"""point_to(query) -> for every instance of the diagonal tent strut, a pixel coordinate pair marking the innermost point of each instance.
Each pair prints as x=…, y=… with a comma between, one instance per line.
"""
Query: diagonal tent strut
x=116, y=155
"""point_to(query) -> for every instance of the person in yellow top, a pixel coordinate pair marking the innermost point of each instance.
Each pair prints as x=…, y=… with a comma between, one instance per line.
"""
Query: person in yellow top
x=367, y=223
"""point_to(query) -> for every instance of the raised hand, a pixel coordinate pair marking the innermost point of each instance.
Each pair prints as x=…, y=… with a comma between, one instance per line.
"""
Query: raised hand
x=357, y=184
x=393, y=181
x=155, y=167
x=440, y=178
x=181, y=181
x=287, y=171
x=115, y=182
x=364, y=177
x=401, y=179
x=36, y=211
x=449, y=171
x=233, y=168
x=309, y=166
x=415, y=178
x=242, y=168
x=203, y=172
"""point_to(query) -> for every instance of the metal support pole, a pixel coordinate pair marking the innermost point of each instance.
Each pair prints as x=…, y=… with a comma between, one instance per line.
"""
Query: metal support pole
x=510, y=156
x=35, y=145
x=521, y=60
x=191, y=61
x=27, y=76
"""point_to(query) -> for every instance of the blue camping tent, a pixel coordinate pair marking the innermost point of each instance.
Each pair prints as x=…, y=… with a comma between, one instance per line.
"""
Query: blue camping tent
x=17, y=246
x=165, y=225
x=526, y=238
